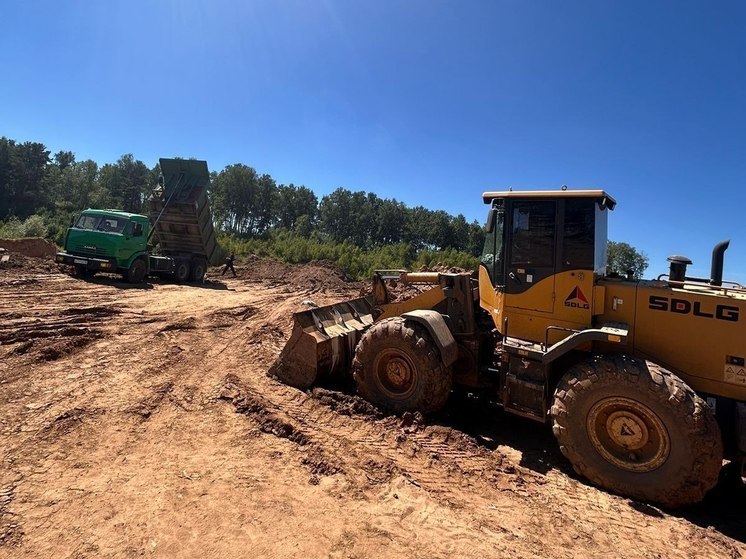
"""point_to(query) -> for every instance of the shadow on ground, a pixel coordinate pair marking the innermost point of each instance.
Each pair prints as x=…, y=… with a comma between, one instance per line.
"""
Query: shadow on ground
x=723, y=509
x=119, y=283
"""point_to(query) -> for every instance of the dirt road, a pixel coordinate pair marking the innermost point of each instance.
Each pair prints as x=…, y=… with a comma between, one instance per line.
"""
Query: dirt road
x=141, y=422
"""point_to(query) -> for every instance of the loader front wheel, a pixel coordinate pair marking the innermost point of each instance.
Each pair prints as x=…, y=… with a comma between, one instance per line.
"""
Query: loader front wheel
x=398, y=366
x=638, y=430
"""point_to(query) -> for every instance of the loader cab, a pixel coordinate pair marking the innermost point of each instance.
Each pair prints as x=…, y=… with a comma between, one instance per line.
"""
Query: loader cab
x=543, y=254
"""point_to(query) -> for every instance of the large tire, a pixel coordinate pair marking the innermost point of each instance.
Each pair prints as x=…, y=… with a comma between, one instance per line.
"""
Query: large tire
x=199, y=269
x=638, y=430
x=137, y=271
x=181, y=271
x=398, y=366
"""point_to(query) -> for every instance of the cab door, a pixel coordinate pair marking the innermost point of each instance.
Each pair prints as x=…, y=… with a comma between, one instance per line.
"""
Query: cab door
x=531, y=249
x=133, y=239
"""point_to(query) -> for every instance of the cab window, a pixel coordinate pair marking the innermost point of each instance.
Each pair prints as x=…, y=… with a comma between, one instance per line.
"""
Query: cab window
x=86, y=221
x=532, y=234
x=111, y=224
x=578, y=237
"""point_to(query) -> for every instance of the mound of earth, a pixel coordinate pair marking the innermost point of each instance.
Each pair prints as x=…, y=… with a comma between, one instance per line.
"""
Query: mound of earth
x=17, y=260
x=35, y=247
x=314, y=276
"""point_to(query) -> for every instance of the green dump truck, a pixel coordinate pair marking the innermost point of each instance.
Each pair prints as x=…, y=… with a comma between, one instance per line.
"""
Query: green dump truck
x=180, y=222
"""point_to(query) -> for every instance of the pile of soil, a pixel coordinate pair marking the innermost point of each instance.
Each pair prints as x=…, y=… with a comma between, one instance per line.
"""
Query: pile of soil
x=34, y=247
x=317, y=275
x=18, y=260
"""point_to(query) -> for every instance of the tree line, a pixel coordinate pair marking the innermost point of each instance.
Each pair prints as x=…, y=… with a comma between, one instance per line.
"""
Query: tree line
x=40, y=192
x=244, y=203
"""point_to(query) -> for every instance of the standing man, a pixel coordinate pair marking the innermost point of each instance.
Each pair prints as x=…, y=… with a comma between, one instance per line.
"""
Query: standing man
x=229, y=265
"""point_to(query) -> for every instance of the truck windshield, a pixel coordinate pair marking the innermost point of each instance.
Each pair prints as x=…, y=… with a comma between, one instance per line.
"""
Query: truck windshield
x=101, y=223
x=87, y=222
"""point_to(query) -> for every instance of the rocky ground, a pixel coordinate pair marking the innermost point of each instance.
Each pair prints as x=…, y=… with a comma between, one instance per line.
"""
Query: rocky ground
x=140, y=421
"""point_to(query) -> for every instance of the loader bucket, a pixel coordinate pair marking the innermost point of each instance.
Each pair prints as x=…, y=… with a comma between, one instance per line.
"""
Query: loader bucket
x=323, y=342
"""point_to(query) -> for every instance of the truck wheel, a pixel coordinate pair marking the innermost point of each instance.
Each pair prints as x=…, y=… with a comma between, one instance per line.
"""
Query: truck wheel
x=181, y=272
x=398, y=367
x=638, y=430
x=199, y=269
x=137, y=271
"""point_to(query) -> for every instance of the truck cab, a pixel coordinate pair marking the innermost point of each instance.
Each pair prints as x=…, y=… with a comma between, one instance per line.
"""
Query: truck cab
x=105, y=240
x=180, y=223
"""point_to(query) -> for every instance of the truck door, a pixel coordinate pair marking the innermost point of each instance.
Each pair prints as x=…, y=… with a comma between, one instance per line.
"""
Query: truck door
x=530, y=255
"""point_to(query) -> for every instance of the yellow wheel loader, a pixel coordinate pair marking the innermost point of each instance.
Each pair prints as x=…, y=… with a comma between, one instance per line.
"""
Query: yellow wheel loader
x=644, y=382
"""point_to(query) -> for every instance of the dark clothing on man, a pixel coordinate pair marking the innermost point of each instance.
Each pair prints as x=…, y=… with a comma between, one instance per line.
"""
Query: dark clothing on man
x=229, y=265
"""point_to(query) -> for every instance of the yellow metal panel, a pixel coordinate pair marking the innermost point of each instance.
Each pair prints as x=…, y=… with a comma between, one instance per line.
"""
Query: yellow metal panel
x=619, y=306
x=490, y=299
x=599, y=292
x=572, y=293
x=574, y=297
x=695, y=334
x=530, y=325
x=538, y=297
x=425, y=300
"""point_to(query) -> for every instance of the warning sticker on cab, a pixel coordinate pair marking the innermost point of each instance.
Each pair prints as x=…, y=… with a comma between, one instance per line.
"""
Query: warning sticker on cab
x=735, y=374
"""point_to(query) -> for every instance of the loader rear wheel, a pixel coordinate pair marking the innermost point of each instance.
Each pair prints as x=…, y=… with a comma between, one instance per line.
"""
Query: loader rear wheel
x=398, y=367
x=638, y=430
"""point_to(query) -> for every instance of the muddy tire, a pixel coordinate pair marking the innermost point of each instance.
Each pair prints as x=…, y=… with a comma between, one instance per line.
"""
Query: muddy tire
x=398, y=367
x=638, y=430
x=181, y=271
x=199, y=269
x=137, y=271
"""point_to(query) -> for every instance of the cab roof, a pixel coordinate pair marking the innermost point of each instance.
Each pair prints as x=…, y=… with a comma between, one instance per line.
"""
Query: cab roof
x=114, y=213
x=557, y=194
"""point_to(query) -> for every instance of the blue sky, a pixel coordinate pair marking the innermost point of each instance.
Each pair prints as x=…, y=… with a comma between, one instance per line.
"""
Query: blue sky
x=430, y=102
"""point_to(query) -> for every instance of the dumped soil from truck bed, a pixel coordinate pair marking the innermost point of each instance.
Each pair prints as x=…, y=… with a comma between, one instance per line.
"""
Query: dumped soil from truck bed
x=141, y=422
x=316, y=276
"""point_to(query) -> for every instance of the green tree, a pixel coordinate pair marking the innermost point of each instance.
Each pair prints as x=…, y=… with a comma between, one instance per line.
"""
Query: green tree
x=294, y=202
x=244, y=202
x=391, y=222
x=337, y=214
x=623, y=258
x=126, y=183
x=23, y=184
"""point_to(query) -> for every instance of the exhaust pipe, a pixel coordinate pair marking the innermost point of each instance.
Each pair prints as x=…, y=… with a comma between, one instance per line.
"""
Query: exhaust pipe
x=716, y=271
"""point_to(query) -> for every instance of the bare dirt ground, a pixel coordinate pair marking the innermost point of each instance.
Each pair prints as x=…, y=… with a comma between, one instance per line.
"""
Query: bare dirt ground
x=141, y=422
